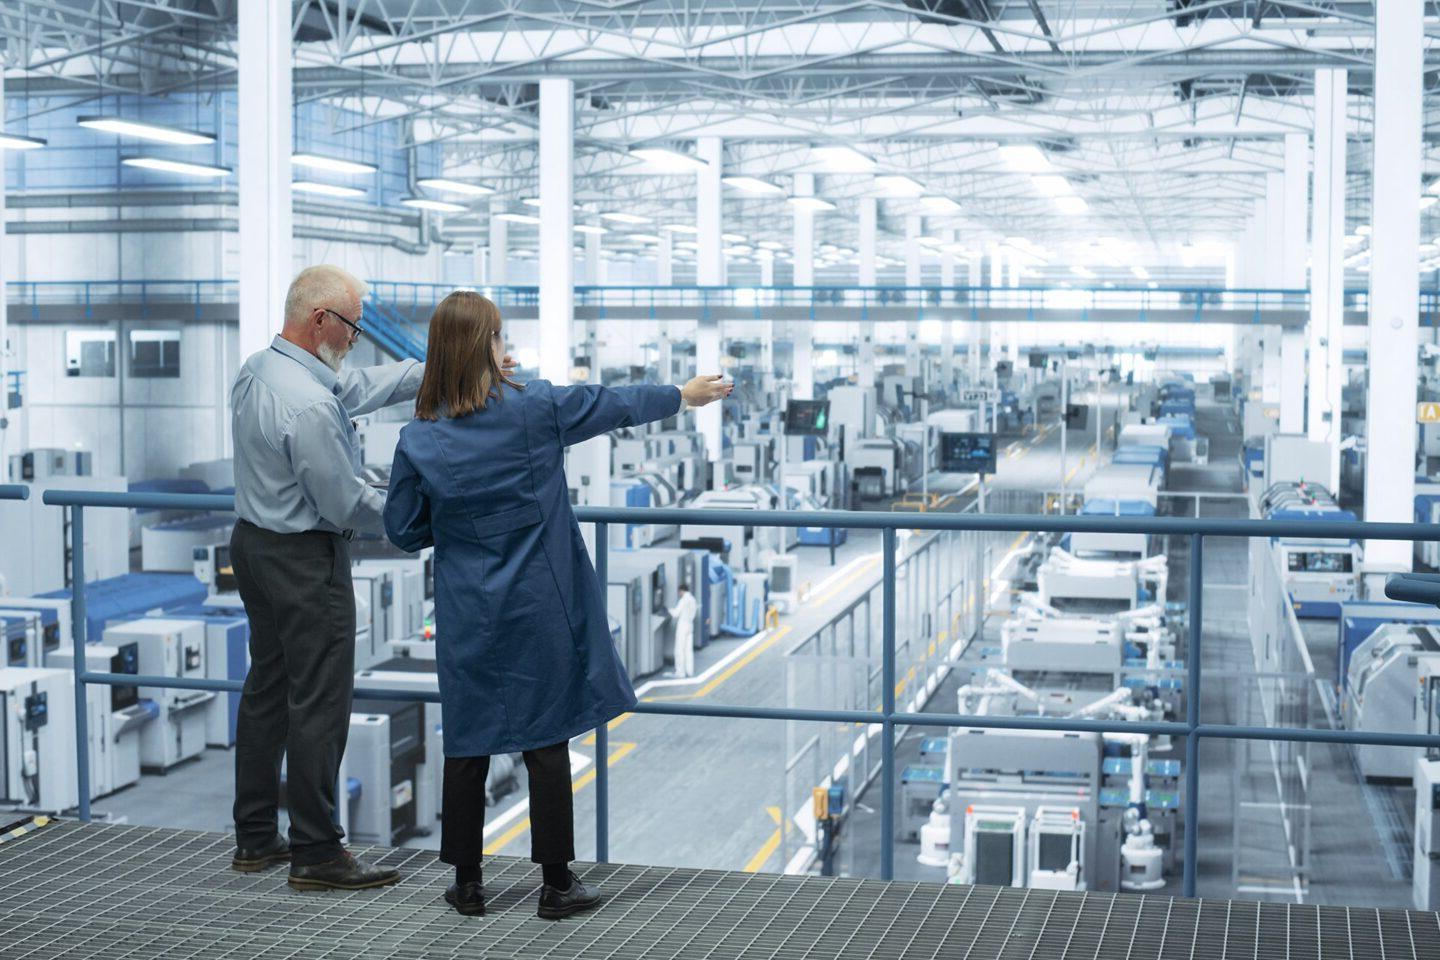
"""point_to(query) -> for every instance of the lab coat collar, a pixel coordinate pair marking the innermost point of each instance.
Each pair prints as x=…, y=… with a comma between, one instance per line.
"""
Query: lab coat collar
x=327, y=377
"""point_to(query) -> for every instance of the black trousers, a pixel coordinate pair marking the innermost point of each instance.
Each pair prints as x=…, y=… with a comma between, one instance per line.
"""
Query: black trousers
x=552, y=814
x=296, y=703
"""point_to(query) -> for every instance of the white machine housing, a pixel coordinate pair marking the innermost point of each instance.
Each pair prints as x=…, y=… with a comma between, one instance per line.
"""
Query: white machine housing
x=115, y=717
x=37, y=739
x=994, y=846
x=169, y=648
x=1063, y=645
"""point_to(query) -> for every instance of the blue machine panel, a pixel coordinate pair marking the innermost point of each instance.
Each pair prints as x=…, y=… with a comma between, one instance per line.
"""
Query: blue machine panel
x=132, y=595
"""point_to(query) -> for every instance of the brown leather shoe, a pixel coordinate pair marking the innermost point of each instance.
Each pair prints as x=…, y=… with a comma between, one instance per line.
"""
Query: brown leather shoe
x=256, y=858
x=345, y=872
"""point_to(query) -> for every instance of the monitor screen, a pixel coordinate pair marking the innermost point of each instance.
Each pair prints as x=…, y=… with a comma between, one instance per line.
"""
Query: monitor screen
x=807, y=418
x=967, y=452
x=1055, y=852
x=1038, y=360
x=994, y=859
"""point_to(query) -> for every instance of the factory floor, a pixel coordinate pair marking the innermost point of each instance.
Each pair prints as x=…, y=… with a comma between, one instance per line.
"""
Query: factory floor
x=711, y=793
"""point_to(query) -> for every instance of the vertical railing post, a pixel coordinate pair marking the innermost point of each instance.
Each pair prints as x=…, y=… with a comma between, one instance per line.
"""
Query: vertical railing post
x=602, y=732
x=887, y=746
x=1192, y=710
x=77, y=633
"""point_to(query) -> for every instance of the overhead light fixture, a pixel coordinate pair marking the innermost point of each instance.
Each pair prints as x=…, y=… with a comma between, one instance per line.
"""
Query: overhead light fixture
x=811, y=203
x=438, y=206
x=838, y=159
x=688, y=245
x=1025, y=158
x=770, y=245
x=1053, y=185
x=591, y=228
x=177, y=166
x=939, y=204
x=732, y=238
x=146, y=131
x=897, y=185
x=645, y=238
x=517, y=218
x=1071, y=205
x=1363, y=230
x=754, y=185
x=1427, y=202
x=315, y=161
x=325, y=189
x=1085, y=272
x=454, y=186
x=1140, y=272
x=929, y=241
x=669, y=161
x=14, y=141
x=624, y=217
x=531, y=202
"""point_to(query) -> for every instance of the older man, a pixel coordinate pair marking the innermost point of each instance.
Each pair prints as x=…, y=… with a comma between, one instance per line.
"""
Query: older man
x=300, y=498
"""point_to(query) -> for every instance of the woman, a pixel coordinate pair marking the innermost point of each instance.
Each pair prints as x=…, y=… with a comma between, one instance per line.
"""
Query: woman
x=524, y=651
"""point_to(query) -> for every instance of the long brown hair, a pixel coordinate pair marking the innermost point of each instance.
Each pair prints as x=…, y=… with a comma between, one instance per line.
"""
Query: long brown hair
x=462, y=365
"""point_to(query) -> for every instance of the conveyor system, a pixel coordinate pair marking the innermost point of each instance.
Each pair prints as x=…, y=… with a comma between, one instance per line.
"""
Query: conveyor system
x=1120, y=546
x=1125, y=481
x=1067, y=582
x=1063, y=645
x=128, y=596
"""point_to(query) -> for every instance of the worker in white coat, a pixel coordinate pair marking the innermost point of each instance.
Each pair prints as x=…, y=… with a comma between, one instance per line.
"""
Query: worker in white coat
x=684, y=614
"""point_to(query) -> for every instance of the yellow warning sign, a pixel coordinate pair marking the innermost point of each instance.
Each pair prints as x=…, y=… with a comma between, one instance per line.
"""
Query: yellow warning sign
x=1427, y=412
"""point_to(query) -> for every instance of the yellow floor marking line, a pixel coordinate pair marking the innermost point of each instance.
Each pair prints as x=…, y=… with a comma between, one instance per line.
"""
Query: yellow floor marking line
x=618, y=752
x=768, y=848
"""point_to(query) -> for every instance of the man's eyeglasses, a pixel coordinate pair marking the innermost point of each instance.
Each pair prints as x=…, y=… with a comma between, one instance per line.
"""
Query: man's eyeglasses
x=349, y=323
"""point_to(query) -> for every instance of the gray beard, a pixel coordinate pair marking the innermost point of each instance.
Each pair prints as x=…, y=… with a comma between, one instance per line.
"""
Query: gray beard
x=331, y=357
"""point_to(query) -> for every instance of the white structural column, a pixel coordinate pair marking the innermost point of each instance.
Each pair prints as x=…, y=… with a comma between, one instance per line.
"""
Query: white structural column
x=912, y=279
x=1394, y=277
x=263, y=85
x=1015, y=268
x=803, y=257
x=5, y=268
x=869, y=214
x=665, y=259
x=594, y=271
x=1327, y=267
x=947, y=326
x=979, y=332
x=557, y=227
x=709, y=272
x=1294, y=252
x=767, y=269
x=499, y=259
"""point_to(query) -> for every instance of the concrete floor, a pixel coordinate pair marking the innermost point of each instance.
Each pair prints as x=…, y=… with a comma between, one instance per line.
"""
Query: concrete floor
x=710, y=793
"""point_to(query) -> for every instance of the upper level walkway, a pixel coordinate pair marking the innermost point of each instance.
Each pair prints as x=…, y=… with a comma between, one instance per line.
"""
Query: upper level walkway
x=74, y=891
x=217, y=300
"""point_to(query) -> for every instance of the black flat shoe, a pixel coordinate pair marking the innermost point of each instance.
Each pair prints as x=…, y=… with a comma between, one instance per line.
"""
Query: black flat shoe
x=345, y=872
x=468, y=898
x=255, y=859
x=556, y=904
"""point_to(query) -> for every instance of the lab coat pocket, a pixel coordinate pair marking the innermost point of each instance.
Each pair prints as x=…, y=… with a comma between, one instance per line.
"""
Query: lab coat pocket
x=506, y=521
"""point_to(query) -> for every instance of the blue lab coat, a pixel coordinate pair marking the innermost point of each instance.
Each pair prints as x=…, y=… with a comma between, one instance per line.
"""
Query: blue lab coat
x=523, y=643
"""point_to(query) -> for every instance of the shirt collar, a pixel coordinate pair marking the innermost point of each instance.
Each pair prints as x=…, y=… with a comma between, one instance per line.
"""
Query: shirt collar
x=327, y=377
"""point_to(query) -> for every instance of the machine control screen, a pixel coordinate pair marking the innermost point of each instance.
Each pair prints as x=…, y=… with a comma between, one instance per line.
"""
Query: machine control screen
x=807, y=418
x=967, y=452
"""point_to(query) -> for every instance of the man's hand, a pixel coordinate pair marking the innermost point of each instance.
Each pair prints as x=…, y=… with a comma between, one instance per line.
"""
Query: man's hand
x=703, y=390
x=509, y=363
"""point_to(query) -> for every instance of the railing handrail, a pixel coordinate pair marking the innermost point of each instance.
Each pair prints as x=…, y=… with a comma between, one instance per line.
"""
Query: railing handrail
x=863, y=519
x=1193, y=729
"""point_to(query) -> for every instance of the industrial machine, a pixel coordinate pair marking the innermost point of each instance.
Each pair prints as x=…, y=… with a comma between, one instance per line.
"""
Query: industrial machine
x=42, y=463
x=641, y=490
x=1318, y=574
x=36, y=560
x=1425, y=877
x=168, y=648
x=407, y=585
x=115, y=716
x=742, y=547
x=170, y=545
x=637, y=590
x=21, y=636
x=376, y=588
x=994, y=846
x=211, y=566
x=1057, y=842
x=227, y=657
x=1067, y=582
x=1063, y=645
x=122, y=598
x=1379, y=695
x=882, y=467
x=384, y=751
x=54, y=622
x=37, y=739
x=1111, y=546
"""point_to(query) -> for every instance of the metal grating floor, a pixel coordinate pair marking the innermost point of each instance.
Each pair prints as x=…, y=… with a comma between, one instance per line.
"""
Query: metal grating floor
x=73, y=891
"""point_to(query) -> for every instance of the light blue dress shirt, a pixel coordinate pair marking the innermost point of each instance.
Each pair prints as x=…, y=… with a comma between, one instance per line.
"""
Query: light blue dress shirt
x=297, y=459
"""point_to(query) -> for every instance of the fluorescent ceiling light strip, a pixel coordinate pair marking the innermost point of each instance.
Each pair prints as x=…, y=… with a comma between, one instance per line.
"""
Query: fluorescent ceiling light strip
x=680, y=228
x=1071, y=205
x=669, y=161
x=940, y=204
x=517, y=218
x=624, y=217
x=1140, y=272
x=591, y=228
x=177, y=166
x=315, y=161
x=454, y=186
x=842, y=159
x=1053, y=185
x=439, y=206
x=325, y=189
x=1025, y=158
x=146, y=131
x=899, y=186
x=812, y=203
x=15, y=141
x=754, y=185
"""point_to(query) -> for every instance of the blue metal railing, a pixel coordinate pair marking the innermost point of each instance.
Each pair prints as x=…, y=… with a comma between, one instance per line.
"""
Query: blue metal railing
x=1194, y=728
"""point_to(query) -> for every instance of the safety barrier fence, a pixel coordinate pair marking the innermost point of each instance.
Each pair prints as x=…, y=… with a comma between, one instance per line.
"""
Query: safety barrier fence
x=1193, y=729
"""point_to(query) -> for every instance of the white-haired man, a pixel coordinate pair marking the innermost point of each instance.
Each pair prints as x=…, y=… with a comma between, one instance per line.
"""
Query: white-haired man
x=300, y=498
